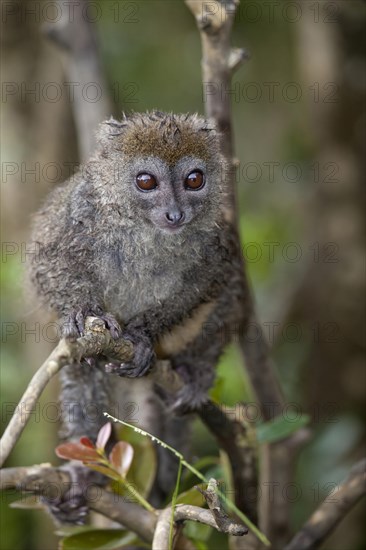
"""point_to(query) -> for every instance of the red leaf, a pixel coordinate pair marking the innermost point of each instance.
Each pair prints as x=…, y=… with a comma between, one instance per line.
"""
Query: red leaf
x=86, y=442
x=76, y=451
x=103, y=435
x=121, y=457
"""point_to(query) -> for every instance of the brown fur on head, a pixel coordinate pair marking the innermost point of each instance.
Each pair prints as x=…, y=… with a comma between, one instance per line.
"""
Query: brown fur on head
x=172, y=136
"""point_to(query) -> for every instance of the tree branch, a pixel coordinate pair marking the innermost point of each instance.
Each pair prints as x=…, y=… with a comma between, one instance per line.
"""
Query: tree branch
x=214, y=21
x=219, y=61
x=215, y=517
x=149, y=526
x=326, y=518
x=224, y=523
x=96, y=340
x=39, y=479
x=42, y=479
x=76, y=38
x=234, y=437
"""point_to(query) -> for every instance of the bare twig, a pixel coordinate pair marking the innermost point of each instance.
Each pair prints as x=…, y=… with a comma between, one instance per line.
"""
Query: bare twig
x=215, y=20
x=40, y=480
x=34, y=477
x=277, y=464
x=215, y=517
x=224, y=523
x=240, y=445
x=219, y=61
x=76, y=38
x=149, y=526
x=326, y=518
x=96, y=340
x=162, y=531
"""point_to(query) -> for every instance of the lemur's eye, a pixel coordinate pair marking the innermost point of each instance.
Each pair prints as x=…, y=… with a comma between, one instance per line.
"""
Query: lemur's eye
x=195, y=180
x=146, y=182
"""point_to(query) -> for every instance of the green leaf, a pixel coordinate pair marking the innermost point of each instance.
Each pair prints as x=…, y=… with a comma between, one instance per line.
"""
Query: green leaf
x=217, y=390
x=201, y=464
x=98, y=539
x=200, y=545
x=193, y=497
x=197, y=531
x=279, y=428
x=227, y=473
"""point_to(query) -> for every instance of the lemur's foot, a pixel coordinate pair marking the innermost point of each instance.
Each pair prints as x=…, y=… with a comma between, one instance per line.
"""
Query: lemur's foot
x=192, y=396
x=73, y=325
x=71, y=507
x=188, y=399
x=143, y=359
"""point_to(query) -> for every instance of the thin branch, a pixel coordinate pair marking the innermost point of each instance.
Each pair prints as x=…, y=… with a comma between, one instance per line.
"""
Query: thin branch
x=195, y=513
x=277, y=468
x=214, y=21
x=215, y=517
x=198, y=474
x=76, y=38
x=219, y=61
x=132, y=516
x=149, y=526
x=34, y=477
x=43, y=479
x=331, y=512
x=96, y=340
x=224, y=523
x=162, y=531
x=234, y=437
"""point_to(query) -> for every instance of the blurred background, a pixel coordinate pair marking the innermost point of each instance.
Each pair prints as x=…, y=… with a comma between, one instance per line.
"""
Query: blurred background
x=299, y=122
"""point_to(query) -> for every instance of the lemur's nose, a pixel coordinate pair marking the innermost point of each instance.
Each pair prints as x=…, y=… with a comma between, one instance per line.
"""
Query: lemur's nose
x=174, y=217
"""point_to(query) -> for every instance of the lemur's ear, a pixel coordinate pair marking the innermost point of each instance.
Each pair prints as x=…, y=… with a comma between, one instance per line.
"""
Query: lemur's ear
x=110, y=129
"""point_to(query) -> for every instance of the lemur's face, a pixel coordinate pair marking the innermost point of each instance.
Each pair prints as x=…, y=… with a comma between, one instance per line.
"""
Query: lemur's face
x=170, y=170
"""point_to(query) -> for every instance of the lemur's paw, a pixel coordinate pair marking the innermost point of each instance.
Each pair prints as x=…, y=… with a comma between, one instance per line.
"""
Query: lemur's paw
x=143, y=359
x=71, y=507
x=73, y=325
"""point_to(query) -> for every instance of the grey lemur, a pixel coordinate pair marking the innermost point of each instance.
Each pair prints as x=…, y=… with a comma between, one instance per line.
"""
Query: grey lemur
x=142, y=238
